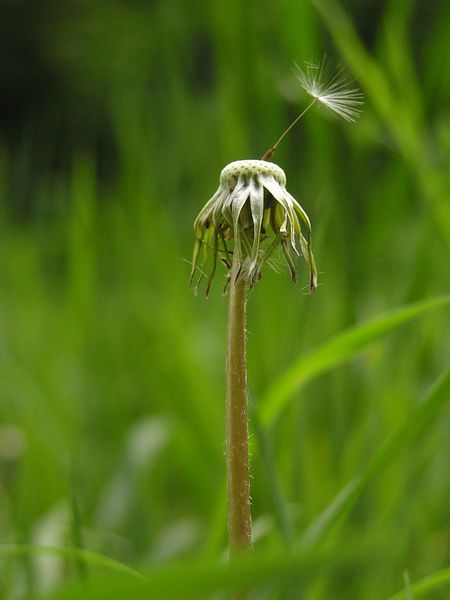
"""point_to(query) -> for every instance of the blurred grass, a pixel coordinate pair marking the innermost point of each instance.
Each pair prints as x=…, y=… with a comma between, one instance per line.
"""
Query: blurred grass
x=338, y=350
x=112, y=372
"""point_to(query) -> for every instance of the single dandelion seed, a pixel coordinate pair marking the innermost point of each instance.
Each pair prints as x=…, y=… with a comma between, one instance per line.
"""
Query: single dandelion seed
x=327, y=86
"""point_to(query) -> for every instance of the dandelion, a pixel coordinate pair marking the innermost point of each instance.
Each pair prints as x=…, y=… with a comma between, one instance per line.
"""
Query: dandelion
x=251, y=215
x=253, y=208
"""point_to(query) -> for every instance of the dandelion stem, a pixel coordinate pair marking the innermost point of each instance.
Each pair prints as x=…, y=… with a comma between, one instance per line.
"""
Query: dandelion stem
x=239, y=517
x=268, y=155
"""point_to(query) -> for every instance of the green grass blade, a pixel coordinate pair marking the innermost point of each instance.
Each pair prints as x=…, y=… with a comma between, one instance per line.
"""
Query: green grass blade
x=193, y=581
x=86, y=556
x=274, y=489
x=336, y=351
x=416, y=422
x=425, y=585
x=77, y=528
x=385, y=99
x=369, y=72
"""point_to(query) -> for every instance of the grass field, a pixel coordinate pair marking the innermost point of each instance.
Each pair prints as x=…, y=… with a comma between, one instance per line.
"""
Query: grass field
x=112, y=372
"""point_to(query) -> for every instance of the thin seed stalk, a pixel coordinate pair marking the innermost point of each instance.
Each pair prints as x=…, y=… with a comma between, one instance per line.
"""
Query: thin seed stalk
x=271, y=151
x=238, y=480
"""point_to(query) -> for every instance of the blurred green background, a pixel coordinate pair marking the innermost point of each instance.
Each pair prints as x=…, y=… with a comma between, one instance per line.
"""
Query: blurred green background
x=117, y=119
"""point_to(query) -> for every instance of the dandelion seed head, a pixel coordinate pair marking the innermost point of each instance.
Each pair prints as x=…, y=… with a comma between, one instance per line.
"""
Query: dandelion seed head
x=327, y=85
x=247, y=219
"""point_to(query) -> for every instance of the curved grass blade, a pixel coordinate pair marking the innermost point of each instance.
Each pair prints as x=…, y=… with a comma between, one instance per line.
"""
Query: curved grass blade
x=199, y=580
x=336, y=351
x=274, y=490
x=384, y=96
x=427, y=584
x=89, y=558
x=419, y=418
